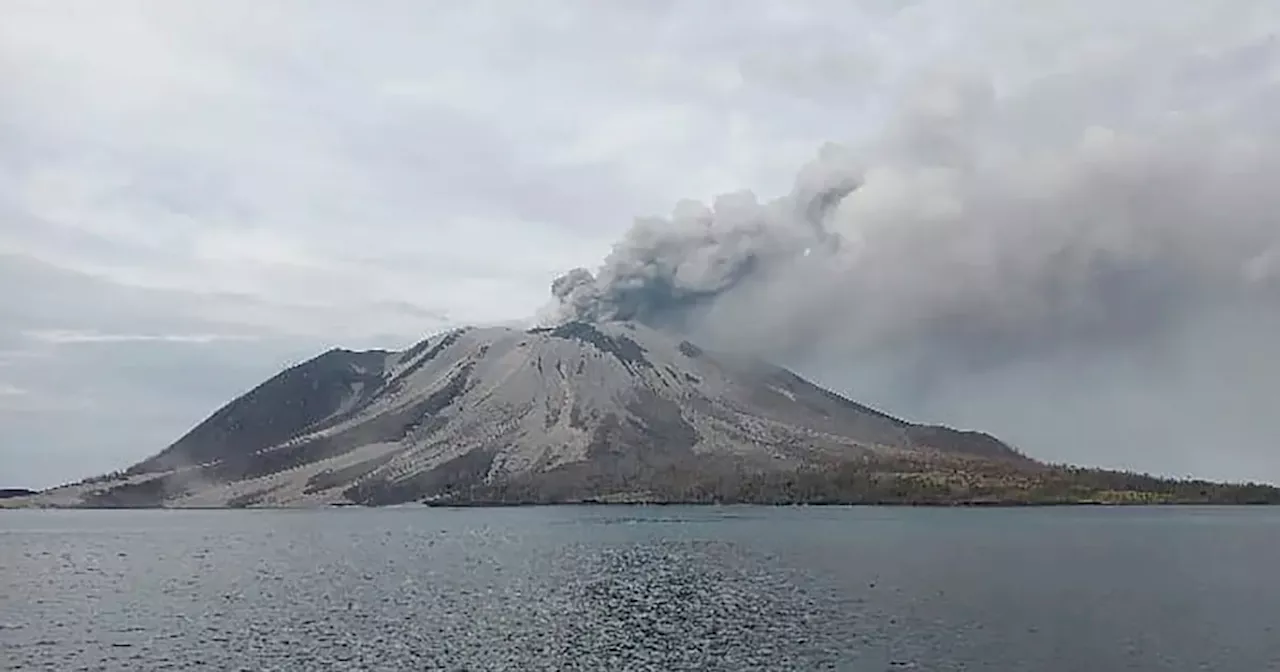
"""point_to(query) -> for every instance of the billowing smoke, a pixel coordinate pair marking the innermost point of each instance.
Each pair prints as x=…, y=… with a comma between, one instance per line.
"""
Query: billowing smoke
x=1089, y=266
x=667, y=271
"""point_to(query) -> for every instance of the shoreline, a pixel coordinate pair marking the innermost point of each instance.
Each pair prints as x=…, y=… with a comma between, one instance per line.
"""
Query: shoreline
x=689, y=504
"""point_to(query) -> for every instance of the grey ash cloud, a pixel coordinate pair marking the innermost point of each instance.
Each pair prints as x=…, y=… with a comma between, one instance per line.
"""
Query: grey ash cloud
x=665, y=270
x=1083, y=283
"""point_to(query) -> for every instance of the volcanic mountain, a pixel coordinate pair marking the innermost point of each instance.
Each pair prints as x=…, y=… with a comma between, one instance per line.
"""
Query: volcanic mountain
x=579, y=412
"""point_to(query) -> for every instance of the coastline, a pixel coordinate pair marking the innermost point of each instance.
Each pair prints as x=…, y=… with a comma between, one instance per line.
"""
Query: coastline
x=664, y=503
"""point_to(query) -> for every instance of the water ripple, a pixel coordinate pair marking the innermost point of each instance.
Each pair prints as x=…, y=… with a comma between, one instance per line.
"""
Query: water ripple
x=638, y=589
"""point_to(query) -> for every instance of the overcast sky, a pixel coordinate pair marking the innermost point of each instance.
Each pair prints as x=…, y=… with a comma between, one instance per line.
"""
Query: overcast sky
x=196, y=194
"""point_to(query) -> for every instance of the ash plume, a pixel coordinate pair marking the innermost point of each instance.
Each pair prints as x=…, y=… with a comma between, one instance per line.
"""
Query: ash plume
x=1090, y=265
x=667, y=270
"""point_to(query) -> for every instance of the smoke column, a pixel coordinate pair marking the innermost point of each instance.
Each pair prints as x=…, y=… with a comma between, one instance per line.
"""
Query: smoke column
x=1088, y=267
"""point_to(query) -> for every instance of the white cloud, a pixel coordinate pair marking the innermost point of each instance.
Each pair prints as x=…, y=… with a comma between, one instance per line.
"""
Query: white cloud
x=69, y=337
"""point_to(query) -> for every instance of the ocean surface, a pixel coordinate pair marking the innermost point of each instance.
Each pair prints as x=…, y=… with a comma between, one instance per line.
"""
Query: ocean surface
x=642, y=588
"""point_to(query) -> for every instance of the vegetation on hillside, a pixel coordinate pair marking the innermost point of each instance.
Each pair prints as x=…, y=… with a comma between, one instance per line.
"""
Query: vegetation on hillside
x=902, y=482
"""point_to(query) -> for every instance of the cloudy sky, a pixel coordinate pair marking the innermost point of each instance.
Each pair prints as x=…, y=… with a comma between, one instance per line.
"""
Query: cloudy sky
x=196, y=194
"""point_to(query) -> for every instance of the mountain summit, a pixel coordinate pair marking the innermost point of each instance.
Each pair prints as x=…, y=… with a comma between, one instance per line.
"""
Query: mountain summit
x=579, y=412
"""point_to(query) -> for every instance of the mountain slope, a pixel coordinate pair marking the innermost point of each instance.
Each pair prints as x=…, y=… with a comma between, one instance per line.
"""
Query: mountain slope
x=575, y=412
x=583, y=412
x=301, y=397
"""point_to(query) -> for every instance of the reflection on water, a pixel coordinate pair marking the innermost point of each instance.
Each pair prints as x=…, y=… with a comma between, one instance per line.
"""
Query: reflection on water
x=664, y=588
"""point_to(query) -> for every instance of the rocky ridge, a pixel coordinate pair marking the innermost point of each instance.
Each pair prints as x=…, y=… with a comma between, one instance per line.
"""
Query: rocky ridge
x=579, y=412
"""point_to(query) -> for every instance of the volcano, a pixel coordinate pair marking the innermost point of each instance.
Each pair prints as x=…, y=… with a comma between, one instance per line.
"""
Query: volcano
x=581, y=412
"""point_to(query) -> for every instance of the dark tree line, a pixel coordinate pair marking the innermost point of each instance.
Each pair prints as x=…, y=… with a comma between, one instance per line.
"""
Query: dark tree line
x=909, y=482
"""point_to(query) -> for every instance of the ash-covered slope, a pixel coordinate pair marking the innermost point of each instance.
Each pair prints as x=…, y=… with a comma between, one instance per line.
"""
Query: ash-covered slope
x=580, y=411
